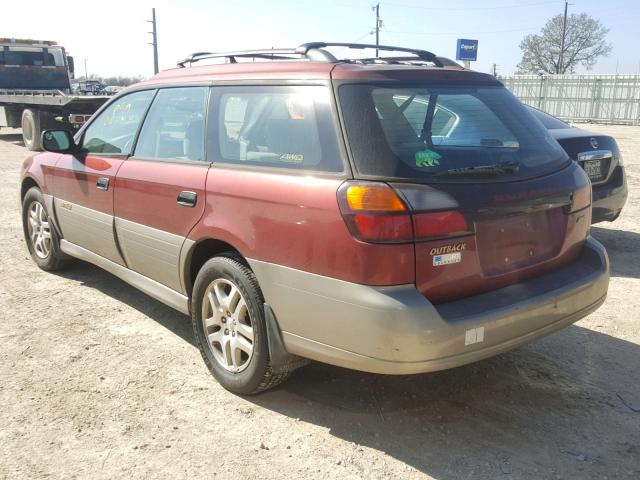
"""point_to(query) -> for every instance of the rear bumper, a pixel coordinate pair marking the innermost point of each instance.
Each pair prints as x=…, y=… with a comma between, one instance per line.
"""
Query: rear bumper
x=609, y=198
x=395, y=330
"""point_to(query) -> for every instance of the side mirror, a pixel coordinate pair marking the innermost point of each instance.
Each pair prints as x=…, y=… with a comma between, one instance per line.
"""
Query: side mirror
x=58, y=141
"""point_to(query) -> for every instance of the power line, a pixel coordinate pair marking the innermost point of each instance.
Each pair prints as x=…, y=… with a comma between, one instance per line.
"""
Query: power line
x=357, y=40
x=462, y=33
x=497, y=7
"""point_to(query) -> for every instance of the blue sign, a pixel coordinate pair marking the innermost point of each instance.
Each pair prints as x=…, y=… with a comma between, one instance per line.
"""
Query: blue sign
x=467, y=50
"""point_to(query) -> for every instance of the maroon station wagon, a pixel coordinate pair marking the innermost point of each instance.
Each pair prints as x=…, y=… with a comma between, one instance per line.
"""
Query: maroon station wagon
x=388, y=214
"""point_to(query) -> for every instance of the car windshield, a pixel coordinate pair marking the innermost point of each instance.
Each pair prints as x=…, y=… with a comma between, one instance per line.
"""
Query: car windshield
x=416, y=132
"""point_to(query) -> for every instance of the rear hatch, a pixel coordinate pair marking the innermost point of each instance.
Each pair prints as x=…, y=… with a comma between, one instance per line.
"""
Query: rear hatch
x=491, y=198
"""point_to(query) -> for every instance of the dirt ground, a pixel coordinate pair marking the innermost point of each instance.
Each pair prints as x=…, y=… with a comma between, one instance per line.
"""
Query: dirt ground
x=98, y=380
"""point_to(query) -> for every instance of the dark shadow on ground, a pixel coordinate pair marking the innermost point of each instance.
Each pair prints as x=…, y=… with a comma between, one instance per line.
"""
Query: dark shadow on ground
x=549, y=410
x=623, y=248
x=103, y=281
x=15, y=138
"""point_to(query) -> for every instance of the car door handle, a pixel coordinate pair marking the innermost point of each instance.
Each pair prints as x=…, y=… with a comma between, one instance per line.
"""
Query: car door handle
x=102, y=183
x=187, y=199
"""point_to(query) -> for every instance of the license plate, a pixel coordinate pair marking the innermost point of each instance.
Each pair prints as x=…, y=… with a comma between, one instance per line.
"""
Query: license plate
x=593, y=169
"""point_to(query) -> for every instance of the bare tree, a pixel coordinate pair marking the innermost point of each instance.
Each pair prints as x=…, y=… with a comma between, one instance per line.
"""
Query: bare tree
x=585, y=42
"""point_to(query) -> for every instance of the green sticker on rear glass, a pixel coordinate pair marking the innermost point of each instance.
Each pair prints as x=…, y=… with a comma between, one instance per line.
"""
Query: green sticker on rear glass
x=428, y=158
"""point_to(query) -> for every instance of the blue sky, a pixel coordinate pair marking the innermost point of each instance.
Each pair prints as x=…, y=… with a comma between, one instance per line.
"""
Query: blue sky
x=114, y=39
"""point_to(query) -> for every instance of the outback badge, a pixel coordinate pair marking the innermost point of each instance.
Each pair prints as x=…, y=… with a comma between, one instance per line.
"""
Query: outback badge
x=447, y=254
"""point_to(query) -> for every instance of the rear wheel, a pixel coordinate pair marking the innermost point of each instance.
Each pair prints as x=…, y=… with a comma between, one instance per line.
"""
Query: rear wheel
x=227, y=312
x=31, y=130
x=41, y=237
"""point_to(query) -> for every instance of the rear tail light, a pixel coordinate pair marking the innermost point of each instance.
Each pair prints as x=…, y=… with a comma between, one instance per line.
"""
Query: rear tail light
x=374, y=198
x=439, y=224
x=77, y=118
x=375, y=213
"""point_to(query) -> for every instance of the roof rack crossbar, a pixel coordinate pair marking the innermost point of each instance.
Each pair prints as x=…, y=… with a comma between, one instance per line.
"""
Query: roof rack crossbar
x=314, y=51
x=422, y=54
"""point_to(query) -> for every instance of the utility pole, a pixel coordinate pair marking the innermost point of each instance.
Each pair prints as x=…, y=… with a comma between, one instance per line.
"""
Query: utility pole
x=378, y=23
x=86, y=77
x=564, y=33
x=154, y=34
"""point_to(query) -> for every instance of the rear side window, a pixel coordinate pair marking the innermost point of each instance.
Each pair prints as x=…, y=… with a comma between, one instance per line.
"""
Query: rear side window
x=174, y=126
x=114, y=130
x=282, y=127
x=415, y=132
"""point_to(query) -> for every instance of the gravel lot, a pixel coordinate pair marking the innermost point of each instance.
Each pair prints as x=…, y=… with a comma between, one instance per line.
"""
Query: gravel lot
x=97, y=380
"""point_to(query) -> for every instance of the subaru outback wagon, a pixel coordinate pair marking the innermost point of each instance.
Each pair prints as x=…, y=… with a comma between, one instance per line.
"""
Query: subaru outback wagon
x=386, y=214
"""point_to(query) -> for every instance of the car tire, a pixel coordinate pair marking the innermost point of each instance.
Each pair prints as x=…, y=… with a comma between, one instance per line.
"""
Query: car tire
x=227, y=313
x=40, y=234
x=31, y=130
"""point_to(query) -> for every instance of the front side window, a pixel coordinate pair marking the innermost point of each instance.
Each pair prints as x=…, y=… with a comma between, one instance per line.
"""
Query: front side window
x=284, y=127
x=114, y=130
x=174, y=126
x=414, y=132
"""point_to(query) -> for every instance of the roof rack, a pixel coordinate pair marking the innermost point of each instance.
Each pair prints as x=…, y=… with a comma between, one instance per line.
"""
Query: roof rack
x=271, y=54
x=314, y=51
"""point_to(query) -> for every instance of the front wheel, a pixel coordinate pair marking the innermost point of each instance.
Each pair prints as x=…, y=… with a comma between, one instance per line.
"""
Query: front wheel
x=227, y=313
x=41, y=237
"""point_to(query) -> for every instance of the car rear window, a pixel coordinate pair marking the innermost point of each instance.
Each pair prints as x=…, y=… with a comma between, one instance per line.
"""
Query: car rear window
x=276, y=126
x=32, y=56
x=550, y=122
x=414, y=132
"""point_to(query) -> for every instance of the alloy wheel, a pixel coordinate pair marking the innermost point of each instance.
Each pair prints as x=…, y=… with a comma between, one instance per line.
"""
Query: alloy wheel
x=227, y=325
x=39, y=230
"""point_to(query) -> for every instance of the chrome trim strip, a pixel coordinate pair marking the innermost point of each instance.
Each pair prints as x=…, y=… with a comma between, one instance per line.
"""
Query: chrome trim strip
x=152, y=288
x=594, y=155
x=151, y=252
x=88, y=228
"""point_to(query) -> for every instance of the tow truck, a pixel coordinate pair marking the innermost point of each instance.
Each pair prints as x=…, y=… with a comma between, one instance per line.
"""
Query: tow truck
x=35, y=90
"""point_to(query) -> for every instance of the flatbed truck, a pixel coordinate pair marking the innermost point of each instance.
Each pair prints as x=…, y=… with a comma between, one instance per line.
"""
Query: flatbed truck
x=35, y=90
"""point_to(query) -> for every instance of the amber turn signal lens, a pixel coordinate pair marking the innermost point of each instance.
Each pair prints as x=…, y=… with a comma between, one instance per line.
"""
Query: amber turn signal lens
x=374, y=199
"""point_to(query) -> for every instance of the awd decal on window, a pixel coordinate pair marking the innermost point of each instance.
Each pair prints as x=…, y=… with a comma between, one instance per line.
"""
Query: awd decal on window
x=292, y=157
x=447, y=254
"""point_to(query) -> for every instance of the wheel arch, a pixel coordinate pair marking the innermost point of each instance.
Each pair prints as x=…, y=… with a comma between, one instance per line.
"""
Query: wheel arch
x=201, y=251
x=27, y=183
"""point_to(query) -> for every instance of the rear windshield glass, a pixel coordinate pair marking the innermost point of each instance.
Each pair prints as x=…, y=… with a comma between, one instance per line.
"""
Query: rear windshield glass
x=550, y=122
x=417, y=132
x=32, y=57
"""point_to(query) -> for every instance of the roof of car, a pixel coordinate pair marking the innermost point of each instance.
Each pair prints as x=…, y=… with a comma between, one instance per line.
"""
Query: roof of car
x=299, y=70
x=312, y=61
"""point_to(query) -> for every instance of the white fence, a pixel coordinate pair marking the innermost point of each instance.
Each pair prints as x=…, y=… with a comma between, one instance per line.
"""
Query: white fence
x=581, y=98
